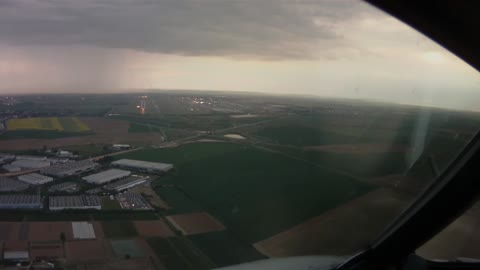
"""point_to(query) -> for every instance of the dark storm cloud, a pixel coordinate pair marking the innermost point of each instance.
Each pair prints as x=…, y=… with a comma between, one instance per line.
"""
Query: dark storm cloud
x=261, y=28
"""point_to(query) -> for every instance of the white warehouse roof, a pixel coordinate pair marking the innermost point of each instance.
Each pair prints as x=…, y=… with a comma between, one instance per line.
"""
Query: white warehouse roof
x=16, y=255
x=106, y=176
x=30, y=164
x=83, y=230
x=35, y=179
x=145, y=165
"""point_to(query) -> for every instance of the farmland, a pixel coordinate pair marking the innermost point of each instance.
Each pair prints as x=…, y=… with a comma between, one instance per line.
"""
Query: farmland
x=45, y=128
x=322, y=172
x=179, y=254
x=43, y=241
x=119, y=229
x=67, y=124
x=249, y=183
x=310, y=177
x=102, y=131
x=215, y=245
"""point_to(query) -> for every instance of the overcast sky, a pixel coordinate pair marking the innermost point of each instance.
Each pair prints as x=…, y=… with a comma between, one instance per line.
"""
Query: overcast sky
x=339, y=48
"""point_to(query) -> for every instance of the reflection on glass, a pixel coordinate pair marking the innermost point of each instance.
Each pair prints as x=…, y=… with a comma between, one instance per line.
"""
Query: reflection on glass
x=203, y=134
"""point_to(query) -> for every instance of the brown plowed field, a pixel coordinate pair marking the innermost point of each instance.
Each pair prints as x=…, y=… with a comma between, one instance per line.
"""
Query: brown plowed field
x=157, y=228
x=86, y=250
x=49, y=231
x=196, y=223
x=340, y=231
x=97, y=227
x=42, y=239
x=42, y=250
x=9, y=230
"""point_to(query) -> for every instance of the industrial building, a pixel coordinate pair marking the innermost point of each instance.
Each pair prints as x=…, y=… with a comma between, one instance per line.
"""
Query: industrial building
x=143, y=166
x=11, y=168
x=35, y=179
x=20, y=201
x=33, y=158
x=121, y=146
x=74, y=202
x=27, y=164
x=126, y=183
x=66, y=154
x=69, y=187
x=83, y=230
x=8, y=184
x=70, y=168
x=106, y=176
x=6, y=158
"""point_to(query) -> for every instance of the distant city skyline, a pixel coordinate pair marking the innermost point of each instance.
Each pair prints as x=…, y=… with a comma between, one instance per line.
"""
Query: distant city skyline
x=329, y=48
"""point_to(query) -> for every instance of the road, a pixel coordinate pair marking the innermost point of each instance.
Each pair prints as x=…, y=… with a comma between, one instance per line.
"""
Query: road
x=164, y=144
x=190, y=138
x=115, y=153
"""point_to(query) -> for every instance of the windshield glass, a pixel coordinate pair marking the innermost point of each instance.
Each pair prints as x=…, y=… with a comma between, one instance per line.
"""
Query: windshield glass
x=197, y=134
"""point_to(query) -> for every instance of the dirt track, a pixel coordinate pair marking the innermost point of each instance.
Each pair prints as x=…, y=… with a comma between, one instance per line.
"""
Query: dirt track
x=107, y=131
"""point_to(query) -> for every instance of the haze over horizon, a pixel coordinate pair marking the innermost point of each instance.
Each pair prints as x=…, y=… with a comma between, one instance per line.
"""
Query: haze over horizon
x=328, y=48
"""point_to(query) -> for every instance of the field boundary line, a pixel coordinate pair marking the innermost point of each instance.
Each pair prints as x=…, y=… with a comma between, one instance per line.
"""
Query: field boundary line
x=310, y=163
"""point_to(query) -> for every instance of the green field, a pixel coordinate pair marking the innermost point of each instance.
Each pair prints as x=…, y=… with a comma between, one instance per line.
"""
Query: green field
x=163, y=249
x=358, y=164
x=119, y=229
x=151, y=126
x=445, y=136
x=142, y=128
x=182, y=202
x=224, y=249
x=130, y=248
x=187, y=122
x=108, y=204
x=254, y=193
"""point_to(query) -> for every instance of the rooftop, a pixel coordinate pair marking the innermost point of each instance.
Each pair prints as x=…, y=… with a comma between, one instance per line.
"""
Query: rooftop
x=70, y=167
x=74, y=201
x=8, y=184
x=132, y=180
x=106, y=176
x=12, y=199
x=30, y=164
x=64, y=186
x=35, y=178
x=83, y=230
x=143, y=164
